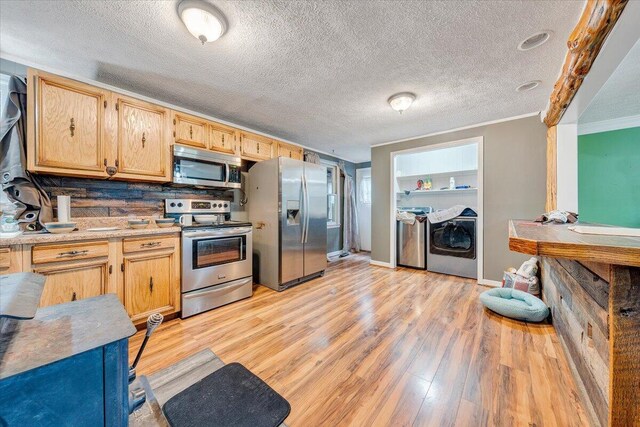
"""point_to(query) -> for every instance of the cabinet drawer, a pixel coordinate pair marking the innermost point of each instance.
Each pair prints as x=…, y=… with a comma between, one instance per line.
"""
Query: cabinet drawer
x=5, y=258
x=69, y=251
x=148, y=244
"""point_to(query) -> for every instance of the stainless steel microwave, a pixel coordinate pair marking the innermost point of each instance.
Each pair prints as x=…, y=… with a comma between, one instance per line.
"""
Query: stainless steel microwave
x=202, y=168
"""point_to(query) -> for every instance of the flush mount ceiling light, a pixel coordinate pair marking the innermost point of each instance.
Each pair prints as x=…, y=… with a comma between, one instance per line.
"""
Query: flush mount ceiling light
x=535, y=40
x=401, y=101
x=203, y=20
x=525, y=87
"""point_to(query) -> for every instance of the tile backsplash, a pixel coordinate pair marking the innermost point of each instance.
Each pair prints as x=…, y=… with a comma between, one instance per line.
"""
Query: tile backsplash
x=104, y=198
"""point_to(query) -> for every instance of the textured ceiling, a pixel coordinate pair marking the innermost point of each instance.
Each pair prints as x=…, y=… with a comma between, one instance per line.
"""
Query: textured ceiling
x=317, y=73
x=620, y=95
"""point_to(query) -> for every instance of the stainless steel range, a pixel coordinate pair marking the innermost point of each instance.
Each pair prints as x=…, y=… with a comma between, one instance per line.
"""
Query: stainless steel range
x=216, y=254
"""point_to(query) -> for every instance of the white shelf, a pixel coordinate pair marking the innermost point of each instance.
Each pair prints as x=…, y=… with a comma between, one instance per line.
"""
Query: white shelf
x=458, y=190
x=439, y=174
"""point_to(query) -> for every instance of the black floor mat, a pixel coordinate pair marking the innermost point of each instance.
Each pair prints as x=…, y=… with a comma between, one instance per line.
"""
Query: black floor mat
x=231, y=396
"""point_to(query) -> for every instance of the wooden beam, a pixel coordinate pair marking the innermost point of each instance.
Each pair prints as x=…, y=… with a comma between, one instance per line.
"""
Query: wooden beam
x=597, y=20
x=624, y=319
x=552, y=169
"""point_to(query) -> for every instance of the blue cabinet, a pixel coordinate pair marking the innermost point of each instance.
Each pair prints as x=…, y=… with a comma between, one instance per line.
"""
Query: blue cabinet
x=66, y=367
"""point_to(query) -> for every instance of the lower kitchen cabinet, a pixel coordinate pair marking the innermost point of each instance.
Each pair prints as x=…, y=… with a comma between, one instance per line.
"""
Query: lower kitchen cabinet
x=71, y=281
x=10, y=259
x=74, y=270
x=151, y=276
x=144, y=272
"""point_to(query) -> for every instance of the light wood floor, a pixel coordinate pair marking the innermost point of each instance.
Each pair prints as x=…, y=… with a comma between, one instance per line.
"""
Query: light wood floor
x=370, y=346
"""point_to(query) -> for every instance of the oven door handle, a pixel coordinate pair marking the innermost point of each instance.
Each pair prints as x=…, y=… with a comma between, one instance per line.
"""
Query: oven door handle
x=218, y=233
x=227, y=170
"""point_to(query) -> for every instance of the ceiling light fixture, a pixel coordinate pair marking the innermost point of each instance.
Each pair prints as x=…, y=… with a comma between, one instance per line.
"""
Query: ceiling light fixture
x=401, y=101
x=535, y=40
x=525, y=87
x=204, y=21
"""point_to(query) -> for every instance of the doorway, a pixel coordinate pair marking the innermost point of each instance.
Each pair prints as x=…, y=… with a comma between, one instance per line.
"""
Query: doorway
x=363, y=205
x=431, y=176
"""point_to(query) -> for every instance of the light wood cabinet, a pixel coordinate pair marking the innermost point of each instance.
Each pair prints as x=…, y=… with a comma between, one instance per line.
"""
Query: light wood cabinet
x=10, y=259
x=74, y=270
x=290, y=150
x=71, y=281
x=143, y=271
x=151, y=278
x=81, y=130
x=223, y=138
x=190, y=130
x=256, y=147
x=77, y=129
x=66, y=126
x=143, y=140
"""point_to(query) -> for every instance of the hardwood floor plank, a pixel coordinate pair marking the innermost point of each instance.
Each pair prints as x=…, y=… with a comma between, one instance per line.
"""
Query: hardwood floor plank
x=440, y=406
x=402, y=404
x=371, y=346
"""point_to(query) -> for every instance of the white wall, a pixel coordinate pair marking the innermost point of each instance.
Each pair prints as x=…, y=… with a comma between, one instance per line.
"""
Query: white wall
x=567, y=169
x=449, y=159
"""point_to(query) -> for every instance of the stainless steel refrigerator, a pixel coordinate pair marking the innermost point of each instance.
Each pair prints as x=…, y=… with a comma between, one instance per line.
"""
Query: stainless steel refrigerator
x=288, y=209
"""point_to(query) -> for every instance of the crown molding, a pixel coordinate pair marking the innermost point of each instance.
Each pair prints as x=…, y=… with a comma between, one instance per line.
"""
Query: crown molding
x=608, y=125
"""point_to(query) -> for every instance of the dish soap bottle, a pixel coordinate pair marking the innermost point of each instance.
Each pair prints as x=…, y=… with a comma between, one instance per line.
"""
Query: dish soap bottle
x=427, y=183
x=452, y=183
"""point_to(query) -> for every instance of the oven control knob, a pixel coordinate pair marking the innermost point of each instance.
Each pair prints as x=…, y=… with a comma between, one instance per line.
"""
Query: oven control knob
x=173, y=205
x=219, y=205
x=226, y=205
x=179, y=205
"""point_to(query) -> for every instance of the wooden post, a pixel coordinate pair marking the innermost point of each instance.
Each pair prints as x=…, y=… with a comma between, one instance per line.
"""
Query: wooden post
x=552, y=169
x=624, y=353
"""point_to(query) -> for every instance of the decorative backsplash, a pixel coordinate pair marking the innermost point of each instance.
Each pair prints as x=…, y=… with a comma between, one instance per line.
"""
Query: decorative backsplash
x=102, y=198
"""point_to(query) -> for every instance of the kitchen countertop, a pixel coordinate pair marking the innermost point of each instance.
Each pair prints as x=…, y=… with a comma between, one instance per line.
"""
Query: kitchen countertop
x=83, y=234
x=557, y=241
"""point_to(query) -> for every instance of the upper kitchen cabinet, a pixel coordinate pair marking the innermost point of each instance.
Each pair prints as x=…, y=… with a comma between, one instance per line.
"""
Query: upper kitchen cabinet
x=289, y=150
x=223, y=138
x=190, y=130
x=256, y=147
x=143, y=140
x=66, y=126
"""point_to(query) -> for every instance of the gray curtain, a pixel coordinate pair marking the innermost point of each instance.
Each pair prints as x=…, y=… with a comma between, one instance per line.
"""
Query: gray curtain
x=31, y=201
x=351, y=234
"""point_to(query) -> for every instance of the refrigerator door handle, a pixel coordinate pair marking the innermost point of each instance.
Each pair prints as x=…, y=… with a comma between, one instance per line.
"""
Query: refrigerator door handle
x=304, y=208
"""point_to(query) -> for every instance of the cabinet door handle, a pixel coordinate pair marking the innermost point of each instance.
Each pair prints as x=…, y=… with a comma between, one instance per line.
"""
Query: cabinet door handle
x=190, y=131
x=72, y=126
x=144, y=139
x=72, y=253
x=150, y=284
x=223, y=140
x=74, y=297
x=110, y=269
x=150, y=245
x=258, y=147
